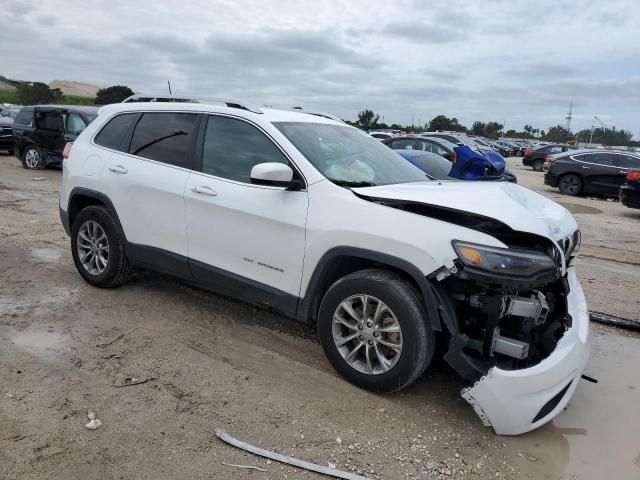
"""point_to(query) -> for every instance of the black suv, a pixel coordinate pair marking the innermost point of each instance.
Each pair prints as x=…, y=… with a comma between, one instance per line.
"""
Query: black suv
x=535, y=158
x=590, y=171
x=41, y=132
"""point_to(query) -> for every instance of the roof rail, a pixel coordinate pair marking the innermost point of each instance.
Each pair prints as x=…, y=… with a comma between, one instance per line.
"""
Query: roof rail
x=330, y=116
x=191, y=99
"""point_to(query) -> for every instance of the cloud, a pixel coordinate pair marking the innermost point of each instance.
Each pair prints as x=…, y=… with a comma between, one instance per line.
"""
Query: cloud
x=512, y=62
x=424, y=33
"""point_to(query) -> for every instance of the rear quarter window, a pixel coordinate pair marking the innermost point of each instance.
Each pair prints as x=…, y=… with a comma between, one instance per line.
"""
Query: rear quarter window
x=115, y=132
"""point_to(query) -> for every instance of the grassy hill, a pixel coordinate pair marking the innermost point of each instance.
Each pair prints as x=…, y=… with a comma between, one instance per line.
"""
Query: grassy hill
x=10, y=97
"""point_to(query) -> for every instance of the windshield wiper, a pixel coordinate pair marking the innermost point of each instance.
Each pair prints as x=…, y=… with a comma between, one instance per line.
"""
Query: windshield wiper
x=346, y=183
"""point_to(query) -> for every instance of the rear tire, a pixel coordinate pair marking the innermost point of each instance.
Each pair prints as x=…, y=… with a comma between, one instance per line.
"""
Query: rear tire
x=392, y=339
x=570, y=184
x=32, y=158
x=538, y=165
x=98, y=249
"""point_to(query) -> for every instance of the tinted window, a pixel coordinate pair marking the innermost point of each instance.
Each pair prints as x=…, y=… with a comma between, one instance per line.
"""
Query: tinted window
x=553, y=150
x=233, y=147
x=75, y=124
x=435, y=166
x=599, y=158
x=25, y=117
x=49, y=121
x=402, y=144
x=164, y=137
x=626, y=161
x=115, y=131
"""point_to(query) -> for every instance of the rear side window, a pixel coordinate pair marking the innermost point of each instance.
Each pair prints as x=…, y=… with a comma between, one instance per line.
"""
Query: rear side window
x=233, y=147
x=596, y=158
x=115, y=131
x=402, y=144
x=165, y=137
x=24, y=117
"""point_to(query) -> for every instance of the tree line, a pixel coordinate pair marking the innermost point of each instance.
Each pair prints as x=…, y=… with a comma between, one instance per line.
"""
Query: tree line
x=368, y=120
x=38, y=93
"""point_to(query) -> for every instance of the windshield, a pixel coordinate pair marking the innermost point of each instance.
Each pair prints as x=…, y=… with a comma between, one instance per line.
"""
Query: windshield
x=348, y=156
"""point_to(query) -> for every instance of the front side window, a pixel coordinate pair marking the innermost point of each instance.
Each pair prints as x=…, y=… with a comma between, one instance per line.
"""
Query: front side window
x=75, y=124
x=233, y=147
x=114, y=133
x=164, y=137
x=49, y=121
x=348, y=156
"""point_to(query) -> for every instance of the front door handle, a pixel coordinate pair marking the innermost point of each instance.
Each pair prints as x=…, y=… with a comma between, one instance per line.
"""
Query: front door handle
x=118, y=169
x=586, y=168
x=204, y=190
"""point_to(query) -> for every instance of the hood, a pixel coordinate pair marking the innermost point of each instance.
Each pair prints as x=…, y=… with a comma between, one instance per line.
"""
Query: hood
x=517, y=207
x=6, y=121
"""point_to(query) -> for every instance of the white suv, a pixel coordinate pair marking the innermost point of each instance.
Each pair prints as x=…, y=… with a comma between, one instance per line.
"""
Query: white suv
x=321, y=222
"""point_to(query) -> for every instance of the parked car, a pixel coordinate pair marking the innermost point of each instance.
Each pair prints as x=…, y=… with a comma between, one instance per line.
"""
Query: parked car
x=535, y=158
x=436, y=145
x=629, y=194
x=353, y=240
x=6, y=133
x=381, y=135
x=590, y=171
x=41, y=132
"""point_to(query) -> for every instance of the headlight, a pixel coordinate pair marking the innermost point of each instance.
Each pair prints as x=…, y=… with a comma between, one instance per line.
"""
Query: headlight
x=503, y=261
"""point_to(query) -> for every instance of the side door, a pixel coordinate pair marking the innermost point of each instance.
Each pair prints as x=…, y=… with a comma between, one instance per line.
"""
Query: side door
x=145, y=178
x=598, y=171
x=245, y=240
x=48, y=134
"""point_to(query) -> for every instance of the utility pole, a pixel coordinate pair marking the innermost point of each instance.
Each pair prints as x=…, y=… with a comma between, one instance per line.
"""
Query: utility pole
x=569, y=116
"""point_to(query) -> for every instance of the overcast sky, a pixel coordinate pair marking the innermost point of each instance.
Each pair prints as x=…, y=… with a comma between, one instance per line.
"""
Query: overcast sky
x=514, y=62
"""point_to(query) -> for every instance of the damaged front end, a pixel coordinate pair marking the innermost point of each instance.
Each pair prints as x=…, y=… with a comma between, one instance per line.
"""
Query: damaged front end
x=519, y=328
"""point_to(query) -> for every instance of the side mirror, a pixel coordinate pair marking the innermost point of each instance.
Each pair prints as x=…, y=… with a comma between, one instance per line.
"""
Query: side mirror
x=274, y=174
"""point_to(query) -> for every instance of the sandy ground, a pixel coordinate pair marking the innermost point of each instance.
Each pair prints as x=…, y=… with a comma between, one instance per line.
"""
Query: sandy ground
x=219, y=363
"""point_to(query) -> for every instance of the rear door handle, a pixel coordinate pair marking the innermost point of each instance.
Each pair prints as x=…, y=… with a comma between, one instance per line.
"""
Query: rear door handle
x=117, y=169
x=586, y=168
x=204, y=190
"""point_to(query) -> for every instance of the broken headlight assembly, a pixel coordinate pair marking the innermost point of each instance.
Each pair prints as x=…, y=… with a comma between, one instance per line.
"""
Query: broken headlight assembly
x=514, y=262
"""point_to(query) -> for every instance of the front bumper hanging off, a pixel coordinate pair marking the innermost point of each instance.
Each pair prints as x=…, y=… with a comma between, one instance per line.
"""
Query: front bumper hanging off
x=517, y=401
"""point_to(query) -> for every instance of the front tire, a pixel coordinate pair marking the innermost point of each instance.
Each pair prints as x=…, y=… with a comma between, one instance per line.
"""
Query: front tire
x=98, y=249
x=32, y=158
x=570, y=184
x=374, y=330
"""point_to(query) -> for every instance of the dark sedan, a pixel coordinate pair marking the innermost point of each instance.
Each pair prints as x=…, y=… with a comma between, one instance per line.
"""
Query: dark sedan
x=629, y=194
x=590, y=171
x=436, y=145
x=535, y=158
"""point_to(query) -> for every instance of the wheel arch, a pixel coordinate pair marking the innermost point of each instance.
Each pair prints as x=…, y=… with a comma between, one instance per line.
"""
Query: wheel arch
x=577, y=174
x=341, y=261
x=81, y=198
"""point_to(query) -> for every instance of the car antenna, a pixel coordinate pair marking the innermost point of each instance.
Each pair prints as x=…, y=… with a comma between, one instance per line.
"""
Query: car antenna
x=169, y=84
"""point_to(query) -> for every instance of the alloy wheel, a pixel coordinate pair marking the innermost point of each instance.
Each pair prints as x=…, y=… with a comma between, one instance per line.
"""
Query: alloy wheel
x=367, y=334
x=32, y=158
x=570, y=184
x=93, y=247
